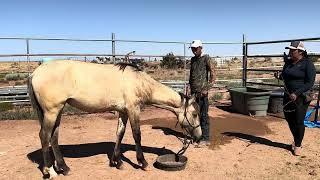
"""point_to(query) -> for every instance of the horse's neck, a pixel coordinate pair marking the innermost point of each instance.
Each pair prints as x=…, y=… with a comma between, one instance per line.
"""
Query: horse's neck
x=164, y=95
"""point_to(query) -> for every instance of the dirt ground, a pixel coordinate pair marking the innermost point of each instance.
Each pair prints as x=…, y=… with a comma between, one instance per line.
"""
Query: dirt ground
x=243, y=147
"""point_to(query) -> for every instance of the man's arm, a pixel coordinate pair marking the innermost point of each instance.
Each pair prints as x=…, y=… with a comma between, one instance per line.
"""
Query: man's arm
x=211, y=69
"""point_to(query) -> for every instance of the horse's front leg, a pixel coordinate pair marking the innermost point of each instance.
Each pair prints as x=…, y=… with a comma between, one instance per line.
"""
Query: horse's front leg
x=135, y=126
x=116, y=159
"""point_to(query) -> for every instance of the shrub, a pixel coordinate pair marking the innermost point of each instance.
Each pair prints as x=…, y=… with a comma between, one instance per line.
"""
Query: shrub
x=5, y=107
x=2, y=75
x=16, y=76
x=18, y=114
x=216, y=96
x=170, y=61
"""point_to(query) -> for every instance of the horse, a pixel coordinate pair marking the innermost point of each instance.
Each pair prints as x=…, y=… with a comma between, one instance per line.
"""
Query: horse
x=100, y=88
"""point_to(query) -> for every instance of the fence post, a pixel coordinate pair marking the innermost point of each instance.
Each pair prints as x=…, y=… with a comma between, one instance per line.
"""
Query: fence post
x=113, y=48
x=244, y=61
x=185, y=68
x=28, y=58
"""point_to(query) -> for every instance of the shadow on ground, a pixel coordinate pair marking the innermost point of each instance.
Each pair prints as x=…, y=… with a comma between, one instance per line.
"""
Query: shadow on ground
x=259, y=140
x=92, y=149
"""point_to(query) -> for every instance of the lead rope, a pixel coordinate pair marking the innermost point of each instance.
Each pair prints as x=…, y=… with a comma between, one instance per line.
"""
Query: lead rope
x=285, y=90
x=185, y=141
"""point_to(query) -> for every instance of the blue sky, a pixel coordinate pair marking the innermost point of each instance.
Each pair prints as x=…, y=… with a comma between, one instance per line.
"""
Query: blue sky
x=165, y=20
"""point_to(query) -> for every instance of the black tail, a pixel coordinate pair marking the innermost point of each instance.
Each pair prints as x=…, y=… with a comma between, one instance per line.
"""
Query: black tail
x=33, y=100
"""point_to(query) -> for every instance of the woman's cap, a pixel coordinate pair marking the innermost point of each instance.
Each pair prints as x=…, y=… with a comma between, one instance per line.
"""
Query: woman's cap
x=296, y=45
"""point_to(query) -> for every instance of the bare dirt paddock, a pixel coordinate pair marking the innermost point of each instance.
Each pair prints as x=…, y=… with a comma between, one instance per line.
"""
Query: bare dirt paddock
x=243, y=148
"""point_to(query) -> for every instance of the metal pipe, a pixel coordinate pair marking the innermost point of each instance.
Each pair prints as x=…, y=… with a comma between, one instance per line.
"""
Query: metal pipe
x=73, y=54
x=53, y=39
x=282, y=41
x=28, y=57
x=277, y=55
x=104, y=40
x=263, y=84
x=113, y=48
x=185, y=68
x=244, y=61
x=263, y=70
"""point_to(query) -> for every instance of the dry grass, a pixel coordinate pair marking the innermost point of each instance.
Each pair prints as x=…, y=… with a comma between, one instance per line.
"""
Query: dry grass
x=14, y=67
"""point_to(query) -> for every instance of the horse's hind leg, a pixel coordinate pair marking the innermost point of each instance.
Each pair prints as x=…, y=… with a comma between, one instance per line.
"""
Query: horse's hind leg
x=122, y=122
x=61, y=165
x=47, y=126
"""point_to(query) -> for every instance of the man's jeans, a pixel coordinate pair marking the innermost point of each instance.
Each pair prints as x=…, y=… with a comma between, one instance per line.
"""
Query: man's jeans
x=203, y=103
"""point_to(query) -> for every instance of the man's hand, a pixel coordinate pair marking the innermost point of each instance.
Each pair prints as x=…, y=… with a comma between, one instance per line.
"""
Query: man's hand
x=293, y=96
x=277, y=74
x=204, y=92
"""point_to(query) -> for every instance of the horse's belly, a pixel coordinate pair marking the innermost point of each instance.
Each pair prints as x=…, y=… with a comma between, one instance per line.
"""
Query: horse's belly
x=95, y=105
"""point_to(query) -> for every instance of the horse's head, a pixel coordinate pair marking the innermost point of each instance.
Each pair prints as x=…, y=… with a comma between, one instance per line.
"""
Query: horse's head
x=188, y=116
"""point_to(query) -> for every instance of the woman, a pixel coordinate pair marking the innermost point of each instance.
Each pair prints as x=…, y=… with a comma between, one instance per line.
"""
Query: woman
x=298, y=74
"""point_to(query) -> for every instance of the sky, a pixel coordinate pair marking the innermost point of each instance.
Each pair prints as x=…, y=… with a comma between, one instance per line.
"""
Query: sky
x=165, y=20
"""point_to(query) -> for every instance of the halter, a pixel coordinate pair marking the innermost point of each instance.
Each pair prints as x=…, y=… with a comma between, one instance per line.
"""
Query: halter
x=185, y=117
x=186, y=132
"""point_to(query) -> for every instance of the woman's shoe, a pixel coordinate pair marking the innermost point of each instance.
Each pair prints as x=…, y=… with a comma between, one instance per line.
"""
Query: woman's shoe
x=297, y=151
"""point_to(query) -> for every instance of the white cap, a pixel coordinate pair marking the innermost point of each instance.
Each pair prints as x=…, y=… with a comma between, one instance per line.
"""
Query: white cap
x=296, y=45
x=196, y=43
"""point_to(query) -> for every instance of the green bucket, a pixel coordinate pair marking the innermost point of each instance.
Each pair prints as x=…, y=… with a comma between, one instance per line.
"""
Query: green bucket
x=250, y=101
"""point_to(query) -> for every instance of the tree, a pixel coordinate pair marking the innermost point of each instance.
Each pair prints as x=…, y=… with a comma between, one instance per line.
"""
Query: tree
x=169, y=61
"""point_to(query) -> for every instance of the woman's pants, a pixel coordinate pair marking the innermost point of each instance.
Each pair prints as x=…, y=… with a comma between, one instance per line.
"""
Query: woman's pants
x=294, y=113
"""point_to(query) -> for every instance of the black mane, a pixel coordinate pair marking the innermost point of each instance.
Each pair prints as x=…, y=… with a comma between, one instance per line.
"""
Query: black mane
x=122, y=66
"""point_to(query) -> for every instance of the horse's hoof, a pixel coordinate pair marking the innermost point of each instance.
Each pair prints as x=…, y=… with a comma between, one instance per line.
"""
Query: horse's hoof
x=147, y=168
x=46, y=176
x=113, y=164
x=49, y=173
x=64, y=169
x=120, y=165
x=144, y=166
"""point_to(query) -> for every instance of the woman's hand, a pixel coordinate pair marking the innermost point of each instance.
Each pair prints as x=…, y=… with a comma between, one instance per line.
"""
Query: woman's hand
x=293, y=96
x=276, y=75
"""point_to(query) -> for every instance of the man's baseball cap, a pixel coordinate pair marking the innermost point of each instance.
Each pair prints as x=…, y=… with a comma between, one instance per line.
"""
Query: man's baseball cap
x=296, y=45
x=196, y=43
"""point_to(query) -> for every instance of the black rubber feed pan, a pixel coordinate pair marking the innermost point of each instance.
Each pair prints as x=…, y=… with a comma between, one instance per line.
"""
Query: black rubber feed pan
x=171, y=162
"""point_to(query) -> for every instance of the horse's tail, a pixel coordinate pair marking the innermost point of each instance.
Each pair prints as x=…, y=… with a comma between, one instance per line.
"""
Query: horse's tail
x=34, y=101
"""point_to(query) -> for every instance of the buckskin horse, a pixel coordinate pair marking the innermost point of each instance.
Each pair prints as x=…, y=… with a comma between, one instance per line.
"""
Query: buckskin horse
x=99, y=88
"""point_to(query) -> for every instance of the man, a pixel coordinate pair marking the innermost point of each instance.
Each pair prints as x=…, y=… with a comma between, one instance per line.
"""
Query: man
x=199, y=82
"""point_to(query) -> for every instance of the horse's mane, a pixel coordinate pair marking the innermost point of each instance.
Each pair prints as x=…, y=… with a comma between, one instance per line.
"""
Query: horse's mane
x=122, y=66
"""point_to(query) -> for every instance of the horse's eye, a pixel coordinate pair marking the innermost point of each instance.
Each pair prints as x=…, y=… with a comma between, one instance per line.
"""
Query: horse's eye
x=194, y=115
